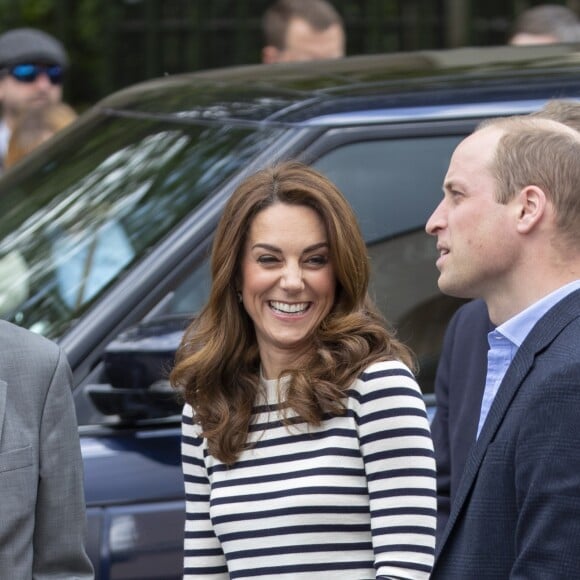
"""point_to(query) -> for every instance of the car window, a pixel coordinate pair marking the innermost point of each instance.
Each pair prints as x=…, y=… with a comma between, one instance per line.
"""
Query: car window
x=192, y=294
x=72, y=224
x=392, y=184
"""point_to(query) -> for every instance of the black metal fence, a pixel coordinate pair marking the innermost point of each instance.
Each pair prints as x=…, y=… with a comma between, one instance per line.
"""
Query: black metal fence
x=153, y=37
x=114, y=43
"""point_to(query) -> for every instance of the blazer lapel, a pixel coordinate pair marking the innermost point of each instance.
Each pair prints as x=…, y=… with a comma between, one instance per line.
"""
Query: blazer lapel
x=539, y=338
x=506, y=392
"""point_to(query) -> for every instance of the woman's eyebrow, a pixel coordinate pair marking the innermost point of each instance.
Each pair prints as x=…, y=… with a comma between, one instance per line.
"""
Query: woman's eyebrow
x=272, y=248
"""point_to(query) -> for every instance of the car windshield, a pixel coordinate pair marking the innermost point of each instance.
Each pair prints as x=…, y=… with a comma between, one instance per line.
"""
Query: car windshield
x=75, y=218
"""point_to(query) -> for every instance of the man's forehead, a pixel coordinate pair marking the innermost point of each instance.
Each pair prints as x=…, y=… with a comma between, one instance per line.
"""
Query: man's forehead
x=479, y=145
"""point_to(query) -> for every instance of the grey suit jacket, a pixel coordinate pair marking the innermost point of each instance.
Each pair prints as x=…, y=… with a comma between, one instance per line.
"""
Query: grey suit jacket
x=42, y=507
x=516, y=513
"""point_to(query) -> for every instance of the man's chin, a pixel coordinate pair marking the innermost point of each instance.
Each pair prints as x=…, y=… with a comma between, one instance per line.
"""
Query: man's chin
x=453, y=288
x=38, y=104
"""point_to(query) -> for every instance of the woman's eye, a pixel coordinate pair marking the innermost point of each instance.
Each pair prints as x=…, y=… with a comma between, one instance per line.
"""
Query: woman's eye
x=318, y=260
x=267, y=259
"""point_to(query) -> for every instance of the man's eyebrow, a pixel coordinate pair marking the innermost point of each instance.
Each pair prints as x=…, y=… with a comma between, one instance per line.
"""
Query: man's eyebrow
x=449, y=185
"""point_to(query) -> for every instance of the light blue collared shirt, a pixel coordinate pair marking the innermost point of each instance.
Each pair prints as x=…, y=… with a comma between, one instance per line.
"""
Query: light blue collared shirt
x=505, y=340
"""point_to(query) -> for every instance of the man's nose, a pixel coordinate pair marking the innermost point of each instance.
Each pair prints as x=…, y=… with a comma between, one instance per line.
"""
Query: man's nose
x=43, y=81
x=437, y=220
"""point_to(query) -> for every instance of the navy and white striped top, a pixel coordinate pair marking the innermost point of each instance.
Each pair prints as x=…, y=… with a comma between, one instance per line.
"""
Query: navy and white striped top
x=351, y=499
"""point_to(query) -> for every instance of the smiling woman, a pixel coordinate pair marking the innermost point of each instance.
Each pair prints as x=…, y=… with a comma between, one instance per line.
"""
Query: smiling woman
x=304, y=428
x=287, y=283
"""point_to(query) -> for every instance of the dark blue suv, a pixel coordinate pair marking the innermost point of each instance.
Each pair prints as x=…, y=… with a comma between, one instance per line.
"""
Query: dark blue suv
x=105, y=233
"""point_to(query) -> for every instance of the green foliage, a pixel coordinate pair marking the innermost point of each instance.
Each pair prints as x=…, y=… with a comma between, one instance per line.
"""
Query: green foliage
x=35, y=13
x=89, y=22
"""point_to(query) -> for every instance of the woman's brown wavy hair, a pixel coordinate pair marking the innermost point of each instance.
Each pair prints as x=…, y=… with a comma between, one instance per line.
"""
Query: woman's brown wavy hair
x=218, y=364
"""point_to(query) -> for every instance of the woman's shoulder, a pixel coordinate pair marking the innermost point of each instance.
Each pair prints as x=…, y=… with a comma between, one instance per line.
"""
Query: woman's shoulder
x=187, y=413
x=387, y=377
x=190, y=426
x=384, y=369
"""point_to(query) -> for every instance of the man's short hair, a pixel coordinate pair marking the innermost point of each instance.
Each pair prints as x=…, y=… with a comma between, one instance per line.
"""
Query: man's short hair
x=566, y=112
x=544, y=153
x=554, y=20
x=319, y=14
x=30, y=46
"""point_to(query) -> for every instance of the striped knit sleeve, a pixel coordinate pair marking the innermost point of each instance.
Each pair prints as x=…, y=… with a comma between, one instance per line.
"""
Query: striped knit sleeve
x=203, y=556
x=397, y=450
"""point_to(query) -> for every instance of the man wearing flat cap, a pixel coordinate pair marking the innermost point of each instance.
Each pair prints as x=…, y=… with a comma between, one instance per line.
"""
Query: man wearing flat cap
x=32, y=66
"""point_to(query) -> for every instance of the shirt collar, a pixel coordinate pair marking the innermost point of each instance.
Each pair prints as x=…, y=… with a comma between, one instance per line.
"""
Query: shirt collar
x=517, y=328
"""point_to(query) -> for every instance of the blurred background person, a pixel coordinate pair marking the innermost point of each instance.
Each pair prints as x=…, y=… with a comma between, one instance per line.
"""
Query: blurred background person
x=34, y=127
x=545, y=24
x=32, y=66
x=299, y=30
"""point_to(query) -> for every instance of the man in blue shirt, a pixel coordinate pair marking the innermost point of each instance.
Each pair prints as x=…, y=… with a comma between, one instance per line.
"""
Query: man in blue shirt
x=461, y=373
x=508, y=232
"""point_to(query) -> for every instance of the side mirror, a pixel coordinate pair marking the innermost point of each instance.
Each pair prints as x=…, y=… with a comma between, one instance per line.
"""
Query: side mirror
x=136, y=366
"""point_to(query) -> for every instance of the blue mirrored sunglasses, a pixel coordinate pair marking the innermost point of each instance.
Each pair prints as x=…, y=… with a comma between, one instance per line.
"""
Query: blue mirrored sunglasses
x=28, y=73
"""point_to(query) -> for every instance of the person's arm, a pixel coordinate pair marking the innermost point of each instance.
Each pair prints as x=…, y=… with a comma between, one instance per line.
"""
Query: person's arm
x=440, y=428
x=400, y=468
x=459, y=385
x=60, y=522
x=203, y=556
x=547, y=479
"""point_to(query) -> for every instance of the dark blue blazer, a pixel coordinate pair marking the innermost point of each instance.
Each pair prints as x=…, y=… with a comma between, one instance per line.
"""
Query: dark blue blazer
x=459, y=385
x=516, y=513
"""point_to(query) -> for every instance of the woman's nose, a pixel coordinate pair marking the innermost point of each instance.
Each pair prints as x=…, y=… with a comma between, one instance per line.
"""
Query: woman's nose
x=292, y=278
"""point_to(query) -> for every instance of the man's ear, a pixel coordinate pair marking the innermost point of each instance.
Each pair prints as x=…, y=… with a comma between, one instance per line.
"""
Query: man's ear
x=270, y=54
x=532, y=207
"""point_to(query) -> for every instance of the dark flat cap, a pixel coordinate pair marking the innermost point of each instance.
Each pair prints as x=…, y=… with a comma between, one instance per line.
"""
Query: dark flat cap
x=28, y=45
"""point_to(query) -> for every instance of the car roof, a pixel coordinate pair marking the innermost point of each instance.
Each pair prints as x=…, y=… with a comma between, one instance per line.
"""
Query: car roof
x=370, y=88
